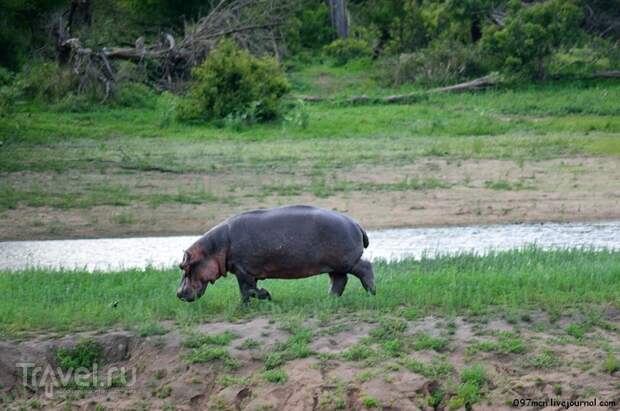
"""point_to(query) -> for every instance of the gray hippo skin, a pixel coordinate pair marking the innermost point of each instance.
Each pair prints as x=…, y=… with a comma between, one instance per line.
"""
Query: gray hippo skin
x=285, y=242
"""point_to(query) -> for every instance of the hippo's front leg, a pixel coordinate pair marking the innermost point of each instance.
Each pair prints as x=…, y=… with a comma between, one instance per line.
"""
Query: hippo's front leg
x=248, y=288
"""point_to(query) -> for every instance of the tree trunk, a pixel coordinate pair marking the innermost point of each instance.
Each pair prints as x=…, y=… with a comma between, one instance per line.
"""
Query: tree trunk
x=338, y=13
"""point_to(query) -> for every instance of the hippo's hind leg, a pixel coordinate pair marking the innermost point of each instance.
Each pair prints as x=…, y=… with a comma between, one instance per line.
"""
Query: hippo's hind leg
x=339, y=281
x=363, y=270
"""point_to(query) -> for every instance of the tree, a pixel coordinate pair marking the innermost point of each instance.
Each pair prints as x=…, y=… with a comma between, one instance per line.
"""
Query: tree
x=338, y=13
x=531, y=34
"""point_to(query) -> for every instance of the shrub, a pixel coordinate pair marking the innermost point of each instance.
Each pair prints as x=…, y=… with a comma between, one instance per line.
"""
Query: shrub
x=343, y=50
x=531, y=35
x=44, y=82
x=439, y=64
x=233, y=82
x=276, y=376
x=85, y=354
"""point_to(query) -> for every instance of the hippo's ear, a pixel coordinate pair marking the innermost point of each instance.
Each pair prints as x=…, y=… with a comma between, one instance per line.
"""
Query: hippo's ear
x=190, y=257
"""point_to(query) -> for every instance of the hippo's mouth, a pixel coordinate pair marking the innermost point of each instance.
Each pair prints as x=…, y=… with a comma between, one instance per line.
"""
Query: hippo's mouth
x=193, y=296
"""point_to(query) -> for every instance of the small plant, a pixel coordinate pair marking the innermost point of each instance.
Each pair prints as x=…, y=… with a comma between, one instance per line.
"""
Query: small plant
x=276, y=376
x=164, y=392
x=151, y=328
x=85, y=354
x=228, y=380
x=273, y=360
x=389, y=329
x=249, y=344
x=612, y=364
x=546, y=359
x=358, y=352
x=196, y=340
x=576, y=330
x=343, y=50
x=370, y=402
x=205, y=353
x=435, y=398
x=426, y=342
x=436, y=369
x=159, y=374
x=298, y=116
x=476, y=375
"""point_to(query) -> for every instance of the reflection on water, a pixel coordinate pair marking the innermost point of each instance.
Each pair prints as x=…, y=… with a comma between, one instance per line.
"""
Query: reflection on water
x=392, y=244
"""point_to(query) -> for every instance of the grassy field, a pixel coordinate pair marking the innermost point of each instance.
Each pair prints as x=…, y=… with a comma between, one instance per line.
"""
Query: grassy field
x=123, y=171
x=509, y=283
x=455, y=333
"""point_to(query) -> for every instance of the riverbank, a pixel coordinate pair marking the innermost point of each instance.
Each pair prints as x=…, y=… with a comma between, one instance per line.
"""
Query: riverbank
x=547, y=152
x=446, y=333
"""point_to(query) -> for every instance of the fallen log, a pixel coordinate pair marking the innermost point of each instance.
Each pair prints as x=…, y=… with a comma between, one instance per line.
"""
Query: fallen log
x=476, y=84
x=607, y=74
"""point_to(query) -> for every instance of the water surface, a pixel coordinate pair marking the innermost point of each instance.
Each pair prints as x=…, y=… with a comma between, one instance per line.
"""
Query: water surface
x=393, y=244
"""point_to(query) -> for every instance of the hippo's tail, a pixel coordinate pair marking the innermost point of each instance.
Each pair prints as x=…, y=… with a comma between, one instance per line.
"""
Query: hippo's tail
x=364, y=237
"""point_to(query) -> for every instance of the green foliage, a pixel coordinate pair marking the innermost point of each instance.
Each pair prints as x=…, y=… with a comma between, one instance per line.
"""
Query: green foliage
x=85, y=354
x=233, y=82
x=22, y=23
x=439, y=64
x=276, y=376
x=612, y=364
x=531, y=35
x=196, y=340
x=475, y=375
x=310, y=27
x=427, y=342
x=358, y=352
x=473, y=380
x=344, y=50
x=273, y=360
x=370, y=402
x=546, y=359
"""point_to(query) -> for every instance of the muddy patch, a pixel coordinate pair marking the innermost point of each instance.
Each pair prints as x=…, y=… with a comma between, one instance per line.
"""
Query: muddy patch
x=339, y=363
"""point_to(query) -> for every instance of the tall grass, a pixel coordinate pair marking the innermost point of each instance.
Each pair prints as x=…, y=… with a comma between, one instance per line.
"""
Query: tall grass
x=517, y=280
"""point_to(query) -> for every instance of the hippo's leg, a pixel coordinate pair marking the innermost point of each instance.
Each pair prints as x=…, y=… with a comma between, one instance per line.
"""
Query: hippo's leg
x=247, y=286
x=363, y=270
x=263, y=294
x=339, y=281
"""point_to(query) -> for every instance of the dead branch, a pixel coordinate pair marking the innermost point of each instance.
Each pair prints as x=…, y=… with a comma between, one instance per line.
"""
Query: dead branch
x=252, y=23
x=476, y=84
x=607, y=74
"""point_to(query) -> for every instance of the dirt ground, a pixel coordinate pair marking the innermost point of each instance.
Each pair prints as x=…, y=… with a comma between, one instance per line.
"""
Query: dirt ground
x=533, y=358
x=431, y=191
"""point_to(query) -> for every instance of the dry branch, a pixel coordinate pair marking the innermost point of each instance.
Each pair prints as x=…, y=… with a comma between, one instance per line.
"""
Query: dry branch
x=476, y=84
x=253, y=24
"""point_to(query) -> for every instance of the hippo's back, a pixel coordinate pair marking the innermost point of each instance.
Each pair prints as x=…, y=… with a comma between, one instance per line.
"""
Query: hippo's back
x=294, y=241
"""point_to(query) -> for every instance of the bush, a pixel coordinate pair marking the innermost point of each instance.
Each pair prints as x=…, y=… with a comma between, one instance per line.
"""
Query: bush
x=343, y=50
x=44, y=82
x=531, y=35
x=85, y=354
x=233, y=82
x=440, y=64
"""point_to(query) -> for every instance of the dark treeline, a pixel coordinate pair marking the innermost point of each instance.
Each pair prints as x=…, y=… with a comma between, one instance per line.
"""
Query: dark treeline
x=156, y=43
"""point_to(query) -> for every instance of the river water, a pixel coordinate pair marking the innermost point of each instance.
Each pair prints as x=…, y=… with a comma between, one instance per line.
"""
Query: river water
x=392, y=244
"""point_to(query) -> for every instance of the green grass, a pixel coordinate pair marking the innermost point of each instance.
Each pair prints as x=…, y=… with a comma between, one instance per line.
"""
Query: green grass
x=530, y=279
x=276, y=376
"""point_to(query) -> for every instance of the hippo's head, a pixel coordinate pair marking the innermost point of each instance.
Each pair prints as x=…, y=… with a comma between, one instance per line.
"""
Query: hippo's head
x=198, y=271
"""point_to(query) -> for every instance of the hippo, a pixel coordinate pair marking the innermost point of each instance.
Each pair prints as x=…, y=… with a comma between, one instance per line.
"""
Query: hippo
x=287, y=242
